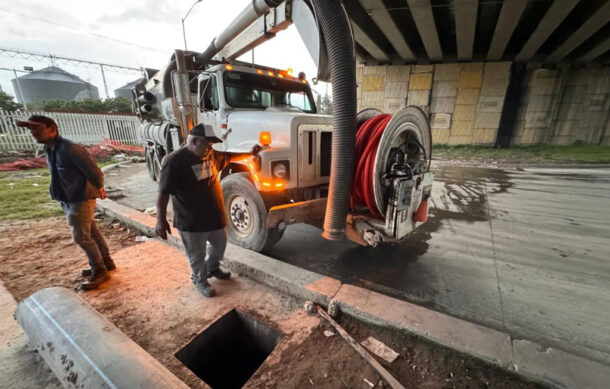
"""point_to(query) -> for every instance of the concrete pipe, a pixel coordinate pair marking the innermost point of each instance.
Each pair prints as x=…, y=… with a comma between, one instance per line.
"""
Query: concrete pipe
x=85, y=350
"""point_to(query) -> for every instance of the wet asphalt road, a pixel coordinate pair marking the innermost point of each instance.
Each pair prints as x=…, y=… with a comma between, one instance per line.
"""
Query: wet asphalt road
x=524, y=251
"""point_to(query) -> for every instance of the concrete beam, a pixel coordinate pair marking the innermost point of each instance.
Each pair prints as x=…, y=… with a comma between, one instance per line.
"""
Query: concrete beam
x=384, y=21
x=590, y=27
x=421, y=10
x=553, y=18
x=596, y=51
x=465, y=26
x=85, y=350
x=507, y=21
x=369, y=44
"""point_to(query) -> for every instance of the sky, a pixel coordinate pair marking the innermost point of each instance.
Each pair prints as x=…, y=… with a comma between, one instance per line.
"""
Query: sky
x=134, y=33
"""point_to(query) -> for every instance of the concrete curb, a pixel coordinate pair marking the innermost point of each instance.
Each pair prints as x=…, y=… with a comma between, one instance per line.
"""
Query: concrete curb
x=300, y=283
x=551, y=366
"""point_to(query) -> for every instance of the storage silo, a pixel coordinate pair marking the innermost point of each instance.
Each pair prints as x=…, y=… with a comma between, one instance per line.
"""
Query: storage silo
x=125, y=90
x=53, y=83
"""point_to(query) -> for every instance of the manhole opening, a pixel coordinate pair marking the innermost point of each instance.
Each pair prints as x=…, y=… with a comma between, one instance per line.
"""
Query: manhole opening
x=229, y=351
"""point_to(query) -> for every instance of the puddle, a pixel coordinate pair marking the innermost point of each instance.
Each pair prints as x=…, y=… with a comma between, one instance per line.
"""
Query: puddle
x=228, y=352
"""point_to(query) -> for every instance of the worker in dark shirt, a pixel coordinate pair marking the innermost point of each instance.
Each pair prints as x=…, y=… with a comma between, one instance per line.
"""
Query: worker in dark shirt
x=76, y=181
x=190, y=176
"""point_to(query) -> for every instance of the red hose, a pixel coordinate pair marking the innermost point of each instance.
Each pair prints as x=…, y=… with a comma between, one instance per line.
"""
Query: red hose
x=367, y=141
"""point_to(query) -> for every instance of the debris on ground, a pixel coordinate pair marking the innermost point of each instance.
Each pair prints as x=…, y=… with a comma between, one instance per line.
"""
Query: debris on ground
x=328, y=333
x=104, y=151
x=151, y=211
x=380, y=349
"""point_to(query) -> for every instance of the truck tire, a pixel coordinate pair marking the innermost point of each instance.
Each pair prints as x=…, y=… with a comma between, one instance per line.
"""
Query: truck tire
x=246, y=214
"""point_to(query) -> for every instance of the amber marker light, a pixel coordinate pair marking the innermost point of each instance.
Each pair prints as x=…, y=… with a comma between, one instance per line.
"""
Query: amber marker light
x=270, y=73
x=290, y=71
x=279, y=185
x=267, y=184
x=259, y=71
x=229, y=67
x=264, y=139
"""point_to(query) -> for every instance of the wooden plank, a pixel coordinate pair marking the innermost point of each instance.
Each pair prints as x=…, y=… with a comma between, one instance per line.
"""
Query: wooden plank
x=387, y=377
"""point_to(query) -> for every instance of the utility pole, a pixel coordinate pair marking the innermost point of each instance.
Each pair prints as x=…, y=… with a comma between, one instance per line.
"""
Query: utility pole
x=184, y=18
x=104, y=79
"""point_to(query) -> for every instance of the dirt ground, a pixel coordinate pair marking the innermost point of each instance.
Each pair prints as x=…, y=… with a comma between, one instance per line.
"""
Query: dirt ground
x=39, y=253
x=330, y=362
x=36, y=254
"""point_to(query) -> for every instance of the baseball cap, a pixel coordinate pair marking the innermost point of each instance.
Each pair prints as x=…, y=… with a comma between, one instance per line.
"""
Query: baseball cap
x=205, y=131
x=35, y=120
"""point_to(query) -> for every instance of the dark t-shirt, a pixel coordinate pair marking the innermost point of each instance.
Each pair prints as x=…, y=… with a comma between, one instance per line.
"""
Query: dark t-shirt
x=195, y=190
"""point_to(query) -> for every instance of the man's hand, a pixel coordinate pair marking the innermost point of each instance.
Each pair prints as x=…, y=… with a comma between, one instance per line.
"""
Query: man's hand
x=162, y=228
x=102, y=193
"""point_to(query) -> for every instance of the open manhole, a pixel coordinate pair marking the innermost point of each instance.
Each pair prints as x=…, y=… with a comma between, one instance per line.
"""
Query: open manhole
x=230, y=350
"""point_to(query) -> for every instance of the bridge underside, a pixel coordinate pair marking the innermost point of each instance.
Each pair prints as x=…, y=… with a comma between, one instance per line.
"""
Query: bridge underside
x=444, y=31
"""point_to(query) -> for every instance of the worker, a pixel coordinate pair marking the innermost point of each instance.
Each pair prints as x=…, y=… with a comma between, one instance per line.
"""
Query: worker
x=190, y=176
x=76, y=181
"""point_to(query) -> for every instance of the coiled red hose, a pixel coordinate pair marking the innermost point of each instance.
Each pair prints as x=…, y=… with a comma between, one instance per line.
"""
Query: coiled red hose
x=367, y=141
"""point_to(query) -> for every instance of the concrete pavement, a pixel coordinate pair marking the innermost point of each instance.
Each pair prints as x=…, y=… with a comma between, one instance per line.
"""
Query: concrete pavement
x=521, y=251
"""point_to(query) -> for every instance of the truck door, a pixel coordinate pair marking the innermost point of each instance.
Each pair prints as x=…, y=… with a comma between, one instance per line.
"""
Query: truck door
x=209, y=104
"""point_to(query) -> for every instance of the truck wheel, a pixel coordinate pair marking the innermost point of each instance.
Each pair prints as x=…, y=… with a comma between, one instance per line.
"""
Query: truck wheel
x=246, y=214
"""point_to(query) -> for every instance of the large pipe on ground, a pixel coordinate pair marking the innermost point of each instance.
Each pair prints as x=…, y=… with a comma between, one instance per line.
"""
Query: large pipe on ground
x=248, y=16
x=337, y=33
x=83, y=349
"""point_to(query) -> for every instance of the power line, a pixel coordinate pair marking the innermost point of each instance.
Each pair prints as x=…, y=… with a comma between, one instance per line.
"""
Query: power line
x=13, y=53
x=54, y=23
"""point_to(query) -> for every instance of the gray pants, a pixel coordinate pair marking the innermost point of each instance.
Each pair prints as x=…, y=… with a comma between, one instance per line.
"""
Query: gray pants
x=85, y=232
x=196, y=247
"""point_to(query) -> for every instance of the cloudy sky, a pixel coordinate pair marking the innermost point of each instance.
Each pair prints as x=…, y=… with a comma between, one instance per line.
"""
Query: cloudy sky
x=132, y=33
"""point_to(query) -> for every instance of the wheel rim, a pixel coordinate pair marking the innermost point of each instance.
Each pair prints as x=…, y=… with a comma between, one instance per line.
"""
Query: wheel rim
x=241, y=216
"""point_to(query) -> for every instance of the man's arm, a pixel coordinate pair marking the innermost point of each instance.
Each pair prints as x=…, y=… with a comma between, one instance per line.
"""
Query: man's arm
x=167, y=186
x=162, y=227
x=83, y=161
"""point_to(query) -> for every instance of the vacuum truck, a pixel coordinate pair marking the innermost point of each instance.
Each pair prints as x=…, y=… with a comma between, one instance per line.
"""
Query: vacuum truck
x=365, y=176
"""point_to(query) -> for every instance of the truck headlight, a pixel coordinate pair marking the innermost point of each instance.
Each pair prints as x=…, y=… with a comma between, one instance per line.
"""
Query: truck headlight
x=280, y=169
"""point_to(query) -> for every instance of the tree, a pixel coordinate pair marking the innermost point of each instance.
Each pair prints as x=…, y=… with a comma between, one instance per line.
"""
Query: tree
x=7, y=102
x=319, y=102
x=115, y=105
x=327, y=105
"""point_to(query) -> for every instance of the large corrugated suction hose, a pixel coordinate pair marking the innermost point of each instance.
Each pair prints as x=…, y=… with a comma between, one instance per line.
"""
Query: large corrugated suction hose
x=338, y=37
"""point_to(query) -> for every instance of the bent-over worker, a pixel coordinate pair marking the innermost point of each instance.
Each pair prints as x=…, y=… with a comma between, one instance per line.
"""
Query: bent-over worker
x=190, y=176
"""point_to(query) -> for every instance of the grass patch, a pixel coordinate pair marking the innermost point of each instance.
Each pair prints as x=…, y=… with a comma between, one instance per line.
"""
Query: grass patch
x=25, y=195
x=536, y=153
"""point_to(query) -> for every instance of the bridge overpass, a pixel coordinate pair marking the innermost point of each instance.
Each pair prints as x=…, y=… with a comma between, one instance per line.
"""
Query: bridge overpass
x=489, y=71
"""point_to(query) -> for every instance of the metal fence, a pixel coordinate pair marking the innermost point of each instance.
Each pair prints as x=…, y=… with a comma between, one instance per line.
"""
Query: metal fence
x=81, y=128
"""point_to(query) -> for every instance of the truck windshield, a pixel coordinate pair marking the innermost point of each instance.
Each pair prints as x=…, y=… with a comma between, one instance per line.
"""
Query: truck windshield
x=246, y=90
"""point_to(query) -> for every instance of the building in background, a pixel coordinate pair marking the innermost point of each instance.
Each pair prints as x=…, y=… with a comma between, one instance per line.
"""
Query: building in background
x=125, y=90
x=53, y=83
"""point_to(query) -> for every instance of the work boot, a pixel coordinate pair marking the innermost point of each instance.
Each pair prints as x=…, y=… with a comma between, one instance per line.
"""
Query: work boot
x=109, y=266
x=205, y=289
x=219, y=274
x=97, y=278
